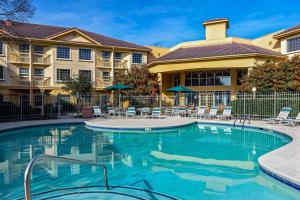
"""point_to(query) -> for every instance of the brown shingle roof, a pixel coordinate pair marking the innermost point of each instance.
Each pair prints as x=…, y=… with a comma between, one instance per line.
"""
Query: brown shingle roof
x=294, y=28
x=216, y=50
x=38, y=31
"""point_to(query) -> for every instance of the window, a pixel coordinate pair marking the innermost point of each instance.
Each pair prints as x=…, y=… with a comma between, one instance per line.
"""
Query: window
x=106, y=76
x=137, y=58
x=24, y=48
x=1, y=72
x=222, y=97
x=240, y=74
x=85, y=54
x=118, y=55
x=1, y=48
x=63, y=53
x=87, y=74
x=38, y=100
x=64, y=98
x=63, y=74
x=293, y=44
x=38, y=72
x=105, y=54
x=176, y=80
x=208, y=78
x=24, y=100
x=24, y=72
x=38, y=49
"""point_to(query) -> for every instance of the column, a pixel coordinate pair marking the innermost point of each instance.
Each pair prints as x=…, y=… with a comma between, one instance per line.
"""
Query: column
x=182, y=83
x=234, y=86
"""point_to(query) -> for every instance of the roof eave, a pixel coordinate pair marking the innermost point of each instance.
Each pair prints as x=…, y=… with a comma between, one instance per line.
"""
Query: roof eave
x=286, y=34
x=215, y=58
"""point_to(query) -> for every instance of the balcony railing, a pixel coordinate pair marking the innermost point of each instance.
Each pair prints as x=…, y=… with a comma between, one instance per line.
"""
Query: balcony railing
x=103, y=82
x=22, y=57
x=120, y=63
x=25, y=81
x=103, y=62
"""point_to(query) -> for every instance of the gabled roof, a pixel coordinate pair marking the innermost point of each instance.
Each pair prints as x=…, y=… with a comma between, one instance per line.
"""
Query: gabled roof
x=287, y=32
x=219, y=50
x=39, y=31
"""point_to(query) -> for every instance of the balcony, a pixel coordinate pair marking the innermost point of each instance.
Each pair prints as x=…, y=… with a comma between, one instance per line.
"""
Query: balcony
x=120, y=64
x=103, y=62
x=22, y=57
x=24, y=81
x=103, y=82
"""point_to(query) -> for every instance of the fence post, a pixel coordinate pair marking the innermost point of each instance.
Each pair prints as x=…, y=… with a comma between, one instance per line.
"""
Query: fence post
x=275, y=100
x=58, y=105
x=43, y=111
x=244, y=112
x=21, y=106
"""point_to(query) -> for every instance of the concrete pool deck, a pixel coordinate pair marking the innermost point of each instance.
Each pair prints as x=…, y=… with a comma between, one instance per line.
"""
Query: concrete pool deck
x=282, y=163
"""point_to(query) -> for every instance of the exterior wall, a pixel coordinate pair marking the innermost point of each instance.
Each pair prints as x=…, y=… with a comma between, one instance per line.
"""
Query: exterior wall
x=268, y=42
x=215, y=31
x=156, y=53
x=284, y=46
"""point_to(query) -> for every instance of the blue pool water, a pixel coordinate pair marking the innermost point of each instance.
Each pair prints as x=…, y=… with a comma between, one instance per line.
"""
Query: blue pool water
x=206, y=162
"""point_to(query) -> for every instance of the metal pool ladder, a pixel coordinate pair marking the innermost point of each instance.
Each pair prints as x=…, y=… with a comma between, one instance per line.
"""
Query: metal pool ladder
x=28, y=174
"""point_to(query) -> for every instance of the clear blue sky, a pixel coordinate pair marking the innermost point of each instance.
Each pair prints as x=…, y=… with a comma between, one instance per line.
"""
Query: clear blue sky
x=168, y=22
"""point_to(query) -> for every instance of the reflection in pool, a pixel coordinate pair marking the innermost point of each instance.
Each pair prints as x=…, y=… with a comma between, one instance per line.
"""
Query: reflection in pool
x=194, y=162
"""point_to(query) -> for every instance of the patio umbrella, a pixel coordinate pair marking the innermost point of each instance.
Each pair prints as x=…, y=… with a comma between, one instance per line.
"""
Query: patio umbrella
x=118, y=87
x=180, y=89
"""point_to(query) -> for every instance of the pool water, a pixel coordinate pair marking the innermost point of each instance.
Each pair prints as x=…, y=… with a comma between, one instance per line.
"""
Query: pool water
x=207, y=162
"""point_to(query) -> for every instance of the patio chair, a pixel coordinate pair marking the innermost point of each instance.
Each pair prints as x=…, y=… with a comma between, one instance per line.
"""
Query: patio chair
x=182, y=111
x=201, y=112
x=292, y=122
x=97, y=111
x=112, y=111
x=174, y=111
x=156, y=112
x=213, y=112
x=145, y=112
x=283, y=115
x=130, y=112
x=226, y=113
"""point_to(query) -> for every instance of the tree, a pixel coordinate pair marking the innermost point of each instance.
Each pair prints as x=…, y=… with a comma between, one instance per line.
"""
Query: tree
x=280, y=76
x=78, y=85
x=16, y=10
x=141, y=80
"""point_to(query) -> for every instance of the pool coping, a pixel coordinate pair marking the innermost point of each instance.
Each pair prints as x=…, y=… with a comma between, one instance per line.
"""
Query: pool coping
x=281, y=163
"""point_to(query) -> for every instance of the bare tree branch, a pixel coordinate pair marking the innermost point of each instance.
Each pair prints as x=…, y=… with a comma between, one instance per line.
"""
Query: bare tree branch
x=16, y=10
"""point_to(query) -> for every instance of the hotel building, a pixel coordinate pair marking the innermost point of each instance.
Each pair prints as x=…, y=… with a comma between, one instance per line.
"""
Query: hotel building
x=214, y=66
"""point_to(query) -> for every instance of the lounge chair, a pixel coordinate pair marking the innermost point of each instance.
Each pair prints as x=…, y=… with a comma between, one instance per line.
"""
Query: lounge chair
x=283, y=115
x=97, y=111
x=174, y=111
x=201, y=111
x=130, y=112
x=226, y=113
x=156, y=112
x=292, y=122
x=182, y=111
x=112, y=111
x=213, y=112
x=145, y=112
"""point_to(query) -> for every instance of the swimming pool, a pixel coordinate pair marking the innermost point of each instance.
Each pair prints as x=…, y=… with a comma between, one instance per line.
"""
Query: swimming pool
x=199, y=161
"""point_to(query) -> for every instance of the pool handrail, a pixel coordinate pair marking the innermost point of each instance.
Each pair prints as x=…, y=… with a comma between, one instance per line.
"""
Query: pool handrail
x=28, y=171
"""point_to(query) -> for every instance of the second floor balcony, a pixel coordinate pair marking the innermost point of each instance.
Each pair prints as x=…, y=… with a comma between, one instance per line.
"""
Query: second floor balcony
x=24, y=81
x=103, y=82
x=24, y=58
x=108, y=63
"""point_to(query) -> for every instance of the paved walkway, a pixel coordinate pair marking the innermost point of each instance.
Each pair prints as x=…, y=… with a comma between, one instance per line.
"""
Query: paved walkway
x=283, y=162
x=140, y=124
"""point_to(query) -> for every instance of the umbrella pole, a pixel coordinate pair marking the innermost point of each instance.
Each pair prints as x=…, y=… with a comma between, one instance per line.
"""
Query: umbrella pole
x=119, y=99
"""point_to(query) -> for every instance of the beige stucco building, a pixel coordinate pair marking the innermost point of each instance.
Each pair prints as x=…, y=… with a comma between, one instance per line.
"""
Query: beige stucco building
x=214, y=66
x=37, y=59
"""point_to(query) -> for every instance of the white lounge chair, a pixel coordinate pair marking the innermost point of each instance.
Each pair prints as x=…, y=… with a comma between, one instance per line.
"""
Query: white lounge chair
x=213, y=112
x=283, y=115
x=174, y=111
x=130, y=112
x=226, y=113
x=292, y=122
x=145, y=112
x=201, y=111
x=97, y=111
x=156, y=112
